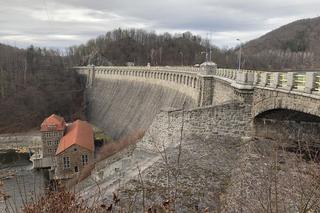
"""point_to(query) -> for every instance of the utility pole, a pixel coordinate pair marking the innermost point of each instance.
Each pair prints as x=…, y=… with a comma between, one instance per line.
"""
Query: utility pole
x=210, y=56
x=239, y=57
x=206, y=53
x=181, y=53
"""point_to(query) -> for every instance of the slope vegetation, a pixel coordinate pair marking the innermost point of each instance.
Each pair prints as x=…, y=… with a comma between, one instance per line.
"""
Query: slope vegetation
x=294, y=45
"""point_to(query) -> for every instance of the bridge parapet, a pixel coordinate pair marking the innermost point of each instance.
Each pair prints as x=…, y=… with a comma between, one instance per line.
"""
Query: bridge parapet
x=303, y=82
x=199, y=83
x=307, y=82
x=187, y=77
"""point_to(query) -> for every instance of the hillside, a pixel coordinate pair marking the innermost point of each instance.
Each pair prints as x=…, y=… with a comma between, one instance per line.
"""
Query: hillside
x=120, y=46
x=294, y=45
x=34, y=83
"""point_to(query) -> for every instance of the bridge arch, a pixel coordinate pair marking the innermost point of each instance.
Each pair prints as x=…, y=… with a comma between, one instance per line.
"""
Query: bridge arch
x=265, y=100
x=294, y=130
x=287, y=117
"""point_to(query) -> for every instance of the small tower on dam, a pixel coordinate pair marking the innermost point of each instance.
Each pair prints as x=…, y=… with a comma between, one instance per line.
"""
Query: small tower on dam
x=207, y=70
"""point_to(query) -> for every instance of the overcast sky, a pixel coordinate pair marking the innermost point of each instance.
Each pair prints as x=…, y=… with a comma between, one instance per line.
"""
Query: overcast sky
x=61, y=23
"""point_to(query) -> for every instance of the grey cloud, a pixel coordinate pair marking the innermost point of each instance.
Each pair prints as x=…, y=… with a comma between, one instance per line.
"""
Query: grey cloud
x=60, y=23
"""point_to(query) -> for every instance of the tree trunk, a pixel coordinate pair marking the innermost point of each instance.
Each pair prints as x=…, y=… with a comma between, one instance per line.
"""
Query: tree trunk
x=25, y=72
x=2, y=84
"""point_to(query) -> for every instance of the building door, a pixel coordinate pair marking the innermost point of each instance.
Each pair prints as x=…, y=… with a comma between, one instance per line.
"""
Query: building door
x=75, y=169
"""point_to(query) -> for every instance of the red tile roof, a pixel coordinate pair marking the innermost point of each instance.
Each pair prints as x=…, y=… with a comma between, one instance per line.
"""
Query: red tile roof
x=80, y=133
x=53, y=122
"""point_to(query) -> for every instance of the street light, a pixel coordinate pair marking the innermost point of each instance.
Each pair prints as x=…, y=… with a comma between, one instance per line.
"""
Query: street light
x=239, y=57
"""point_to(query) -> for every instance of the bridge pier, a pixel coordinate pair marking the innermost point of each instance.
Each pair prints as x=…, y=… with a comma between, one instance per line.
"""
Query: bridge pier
x=205, y=90
x=90, y=75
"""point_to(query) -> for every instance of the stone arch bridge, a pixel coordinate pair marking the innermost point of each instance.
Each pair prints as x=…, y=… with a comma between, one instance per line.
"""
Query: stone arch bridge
x=217, y=101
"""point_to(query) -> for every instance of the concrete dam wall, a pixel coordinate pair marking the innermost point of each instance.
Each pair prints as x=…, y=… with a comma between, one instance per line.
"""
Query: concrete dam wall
x=122, y=106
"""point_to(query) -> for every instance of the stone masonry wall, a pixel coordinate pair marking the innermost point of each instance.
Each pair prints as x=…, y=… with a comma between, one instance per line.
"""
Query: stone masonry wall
x=74, y=153
x=206, y=89
x=229, y=119
x=50, y=142
x=222, y=92
x=264, y=100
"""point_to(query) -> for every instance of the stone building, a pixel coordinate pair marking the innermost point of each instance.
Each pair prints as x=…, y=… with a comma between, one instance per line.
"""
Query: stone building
x=66, y=148
x=75, y=150
x=52, y=130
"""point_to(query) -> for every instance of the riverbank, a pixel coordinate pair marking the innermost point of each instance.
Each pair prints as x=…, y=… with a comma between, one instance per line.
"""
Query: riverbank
x=20, y=183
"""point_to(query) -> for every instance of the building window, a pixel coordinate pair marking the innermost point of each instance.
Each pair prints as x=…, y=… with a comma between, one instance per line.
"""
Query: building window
x=66, y=162
x=49, y=150
x=75, y=149
x=57, y=142
x=84, y=159
x=49, y=143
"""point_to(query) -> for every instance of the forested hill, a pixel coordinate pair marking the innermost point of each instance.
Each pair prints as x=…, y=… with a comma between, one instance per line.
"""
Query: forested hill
x=133, y=45
x=33, y=84
x=295, y=45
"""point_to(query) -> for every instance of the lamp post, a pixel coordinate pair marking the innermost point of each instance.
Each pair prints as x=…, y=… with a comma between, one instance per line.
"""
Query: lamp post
x=239, y=57
x=210, y=52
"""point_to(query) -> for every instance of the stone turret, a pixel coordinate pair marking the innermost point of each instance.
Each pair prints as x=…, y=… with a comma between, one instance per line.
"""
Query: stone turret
x=208, y=68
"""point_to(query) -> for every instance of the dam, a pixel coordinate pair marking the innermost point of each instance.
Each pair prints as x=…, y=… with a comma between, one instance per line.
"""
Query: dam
x=205, y=128
x=122, y=100
x=122, y=106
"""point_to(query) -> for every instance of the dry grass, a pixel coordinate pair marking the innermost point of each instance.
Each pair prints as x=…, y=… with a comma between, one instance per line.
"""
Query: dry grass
x=114, y=147
x=58, y=202
x=62, y=201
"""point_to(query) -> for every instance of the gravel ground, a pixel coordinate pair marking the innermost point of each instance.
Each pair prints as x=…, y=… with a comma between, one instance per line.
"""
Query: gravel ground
x=194, y=181
x=224, y=175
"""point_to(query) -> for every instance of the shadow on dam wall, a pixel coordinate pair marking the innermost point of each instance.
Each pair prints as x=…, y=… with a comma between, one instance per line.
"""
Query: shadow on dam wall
x=120, y=107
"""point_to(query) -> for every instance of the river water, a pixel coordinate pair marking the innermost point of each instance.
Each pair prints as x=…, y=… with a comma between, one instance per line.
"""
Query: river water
x=20, y=181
